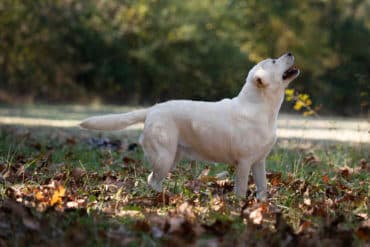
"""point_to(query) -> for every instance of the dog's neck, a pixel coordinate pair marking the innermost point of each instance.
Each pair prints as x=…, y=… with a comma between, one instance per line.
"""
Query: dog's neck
x=269, y=100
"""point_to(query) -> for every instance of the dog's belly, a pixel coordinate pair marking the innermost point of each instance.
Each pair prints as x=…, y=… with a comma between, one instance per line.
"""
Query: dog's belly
x=204, y=141
x=225, y=148
x=188, y=152
x=231, y=157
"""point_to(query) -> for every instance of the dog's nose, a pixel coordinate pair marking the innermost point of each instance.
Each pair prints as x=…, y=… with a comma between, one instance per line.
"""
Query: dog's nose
x=289, y=54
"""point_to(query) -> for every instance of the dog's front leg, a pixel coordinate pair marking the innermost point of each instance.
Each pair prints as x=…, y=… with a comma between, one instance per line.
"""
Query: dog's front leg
x=259, y=177
x=241, y=179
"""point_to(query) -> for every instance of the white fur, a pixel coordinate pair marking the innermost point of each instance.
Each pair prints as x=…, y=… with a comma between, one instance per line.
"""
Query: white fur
x=239, y=131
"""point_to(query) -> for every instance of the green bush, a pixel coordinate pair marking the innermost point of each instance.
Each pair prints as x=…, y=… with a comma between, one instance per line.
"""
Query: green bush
x=145, y=51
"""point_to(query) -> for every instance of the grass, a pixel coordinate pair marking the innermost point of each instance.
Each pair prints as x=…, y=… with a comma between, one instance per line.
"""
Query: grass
x=71, y=112
x=319, y=194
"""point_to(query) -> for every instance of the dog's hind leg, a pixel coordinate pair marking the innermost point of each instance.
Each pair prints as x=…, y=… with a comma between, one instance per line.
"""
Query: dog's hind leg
x=161, y=167
x=178, y=157
x=159, y=143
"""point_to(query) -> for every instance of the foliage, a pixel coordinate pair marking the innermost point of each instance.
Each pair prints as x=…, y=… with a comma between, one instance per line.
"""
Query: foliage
x=149, y=50
x=61, y=187
x=300, y=101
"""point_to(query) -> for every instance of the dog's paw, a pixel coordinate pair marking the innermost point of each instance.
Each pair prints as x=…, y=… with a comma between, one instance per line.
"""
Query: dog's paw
x=240, y=193
x=156, y=185
x=262, y=195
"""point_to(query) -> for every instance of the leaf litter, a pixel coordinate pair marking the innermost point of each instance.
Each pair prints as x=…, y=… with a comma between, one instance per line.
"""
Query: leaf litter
x=47, y=201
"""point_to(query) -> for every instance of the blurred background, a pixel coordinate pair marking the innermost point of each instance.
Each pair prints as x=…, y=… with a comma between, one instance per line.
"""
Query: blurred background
x=139, y=52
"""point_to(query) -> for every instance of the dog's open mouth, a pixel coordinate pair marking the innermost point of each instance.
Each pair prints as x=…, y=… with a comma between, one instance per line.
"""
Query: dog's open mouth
x=292, y=71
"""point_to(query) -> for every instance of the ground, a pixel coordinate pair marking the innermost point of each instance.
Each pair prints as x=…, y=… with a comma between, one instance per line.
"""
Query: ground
x=62, y=186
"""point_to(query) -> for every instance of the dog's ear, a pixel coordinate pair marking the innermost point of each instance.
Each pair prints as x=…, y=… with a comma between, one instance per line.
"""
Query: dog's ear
x=259, y=82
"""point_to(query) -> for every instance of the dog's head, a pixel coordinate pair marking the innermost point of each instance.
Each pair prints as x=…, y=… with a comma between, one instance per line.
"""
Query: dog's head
x=274, y=73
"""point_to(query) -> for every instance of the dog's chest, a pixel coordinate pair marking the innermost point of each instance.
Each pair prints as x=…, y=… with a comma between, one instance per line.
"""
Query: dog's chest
x=253, y=138
x=265, y=147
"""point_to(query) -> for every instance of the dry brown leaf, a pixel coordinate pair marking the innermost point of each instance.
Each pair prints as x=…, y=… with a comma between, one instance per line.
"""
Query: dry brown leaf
x=256, y=216
x=128, y=160
x=217, y=203
x=365, y=165
x=363, y=216
x=307, y=201
x=311, y=159
x=325, y=178
x=366, y=223
x=71, y=140
x=363, y=232
x=72, y=204
x=78, y=173
x=204, y=173
x=344, y=172
x=275, y=181
x=187, y=210
x=304, y=226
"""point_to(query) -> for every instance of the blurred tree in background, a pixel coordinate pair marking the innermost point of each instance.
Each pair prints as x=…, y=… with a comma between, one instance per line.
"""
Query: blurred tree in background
x=146, y=51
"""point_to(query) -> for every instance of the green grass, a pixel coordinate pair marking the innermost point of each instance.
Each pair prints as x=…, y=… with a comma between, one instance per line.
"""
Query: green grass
x=71, y=112
x=116, y=206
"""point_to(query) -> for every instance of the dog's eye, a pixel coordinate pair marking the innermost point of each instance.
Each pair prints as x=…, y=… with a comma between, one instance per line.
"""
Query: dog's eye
x=273, y=61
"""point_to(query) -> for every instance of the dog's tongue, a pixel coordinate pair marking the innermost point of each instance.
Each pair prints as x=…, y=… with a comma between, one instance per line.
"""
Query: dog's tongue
x=293, y=68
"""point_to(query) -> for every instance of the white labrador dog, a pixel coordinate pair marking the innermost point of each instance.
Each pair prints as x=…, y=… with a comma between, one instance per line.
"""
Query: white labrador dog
x=239, y=131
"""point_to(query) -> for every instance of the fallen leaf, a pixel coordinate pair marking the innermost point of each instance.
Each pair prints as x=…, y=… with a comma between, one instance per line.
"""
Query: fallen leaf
x=325, y=178
x=72, y=204
x=204, y=173
x=363, y=215
x=366, y=223
x=39, y=196
x=57, y=195
x=71, y=141
x=187, y=210
x=128, y=160
x=78, y=173
x=305, y=225
x=344, y=172
x=256, y=216
x=311, y=159
x=307, y=201
x=363, y=232
x=275, y=178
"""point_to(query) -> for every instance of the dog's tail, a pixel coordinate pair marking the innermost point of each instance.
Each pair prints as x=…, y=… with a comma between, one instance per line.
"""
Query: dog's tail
x=114, y=121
